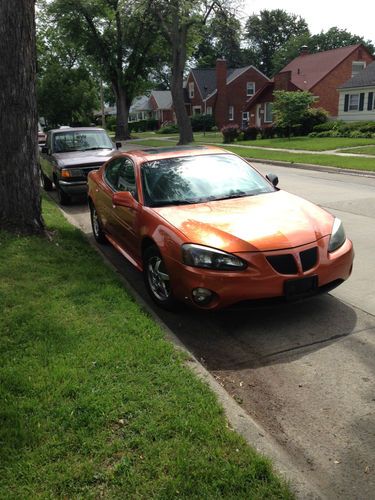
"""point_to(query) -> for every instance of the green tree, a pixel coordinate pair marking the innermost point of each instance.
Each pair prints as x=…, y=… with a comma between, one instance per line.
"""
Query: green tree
x=290, y=109
x=20, y=207
x=180, y=23
x=119, y=38
x=268, y=31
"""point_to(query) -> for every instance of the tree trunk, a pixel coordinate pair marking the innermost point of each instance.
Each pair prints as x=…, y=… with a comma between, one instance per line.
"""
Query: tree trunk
x=20, y=204
x=122, y=113
x=177, y=89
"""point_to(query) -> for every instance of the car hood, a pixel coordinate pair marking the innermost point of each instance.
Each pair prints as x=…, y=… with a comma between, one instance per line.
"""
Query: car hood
x=265, y=222
x=72, y=158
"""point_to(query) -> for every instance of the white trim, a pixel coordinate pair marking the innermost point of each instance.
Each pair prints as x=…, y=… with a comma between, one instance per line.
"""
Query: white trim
x=247, y=89
x=358, y=62
x=191, y=90
x=353, y=109
x=196, y=84
x=230, y=80
x=265, y=112
x=231, y=113
x=195, y=108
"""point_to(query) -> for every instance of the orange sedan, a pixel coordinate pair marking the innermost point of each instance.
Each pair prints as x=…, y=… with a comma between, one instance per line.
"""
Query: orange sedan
x=207, y=229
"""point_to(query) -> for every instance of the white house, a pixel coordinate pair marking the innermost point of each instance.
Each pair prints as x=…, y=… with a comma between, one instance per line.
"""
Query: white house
x=357, y=96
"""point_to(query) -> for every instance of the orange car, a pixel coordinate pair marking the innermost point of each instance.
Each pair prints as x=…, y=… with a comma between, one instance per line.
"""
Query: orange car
x=209, y=230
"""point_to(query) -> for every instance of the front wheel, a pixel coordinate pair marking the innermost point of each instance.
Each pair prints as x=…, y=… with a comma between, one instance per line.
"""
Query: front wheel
x=157, y=279
x=45, y=183
x=64, y=199
x=96, y=225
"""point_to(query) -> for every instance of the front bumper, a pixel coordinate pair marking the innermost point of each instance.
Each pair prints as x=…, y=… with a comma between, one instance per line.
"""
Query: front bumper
x=73, y=187
x=260, y=280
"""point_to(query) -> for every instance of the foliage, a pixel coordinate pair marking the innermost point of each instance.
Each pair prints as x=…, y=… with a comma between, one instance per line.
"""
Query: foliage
x=340, y=128
x=268, y=31
x=202, y=122
x=230, y=132
x=221, y=37
x=250, y=133
x=291, y=108
x=66, y=96
x=170, y=128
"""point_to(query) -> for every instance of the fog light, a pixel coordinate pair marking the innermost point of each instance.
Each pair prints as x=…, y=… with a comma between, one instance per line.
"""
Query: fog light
x=202, y=296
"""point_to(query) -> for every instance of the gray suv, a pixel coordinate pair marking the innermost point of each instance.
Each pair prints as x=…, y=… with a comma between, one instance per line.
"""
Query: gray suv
x=69, y=155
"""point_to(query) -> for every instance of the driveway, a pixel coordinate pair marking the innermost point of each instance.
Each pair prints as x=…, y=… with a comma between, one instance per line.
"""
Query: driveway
x=305, y=372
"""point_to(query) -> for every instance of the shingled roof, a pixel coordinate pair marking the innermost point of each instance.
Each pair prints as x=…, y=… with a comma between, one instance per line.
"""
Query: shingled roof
x=308, y=69
x=365, y=78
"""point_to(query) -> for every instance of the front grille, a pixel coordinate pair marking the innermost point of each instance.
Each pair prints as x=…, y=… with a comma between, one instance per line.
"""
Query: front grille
x=283, y=264
x=309, y=258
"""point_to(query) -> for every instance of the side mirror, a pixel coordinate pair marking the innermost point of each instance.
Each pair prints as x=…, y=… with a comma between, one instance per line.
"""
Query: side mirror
x=118, y=145
x=274, y=180
x=45, y=150
x=124, y=199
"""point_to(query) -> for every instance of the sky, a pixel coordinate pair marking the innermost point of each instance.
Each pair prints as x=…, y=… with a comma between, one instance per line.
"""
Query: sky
x=321, y=15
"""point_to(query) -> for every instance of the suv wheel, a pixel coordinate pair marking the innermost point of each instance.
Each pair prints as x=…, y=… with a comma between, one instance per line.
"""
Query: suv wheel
x=45, y=183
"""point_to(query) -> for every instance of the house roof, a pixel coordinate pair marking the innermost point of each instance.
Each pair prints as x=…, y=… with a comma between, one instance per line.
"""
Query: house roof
x=140, y=103
x=308, y=69
x=206, y=78
x=365, y=78
x=163, y=98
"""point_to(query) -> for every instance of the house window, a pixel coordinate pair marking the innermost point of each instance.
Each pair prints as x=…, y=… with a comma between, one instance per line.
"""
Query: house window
x=209, y=110
x=353, y=102
x=197, y=110
x=250, y=88
x=245, y=119
x=268, y=112
x=191, y=90
x=231, y=113
x=357, y=67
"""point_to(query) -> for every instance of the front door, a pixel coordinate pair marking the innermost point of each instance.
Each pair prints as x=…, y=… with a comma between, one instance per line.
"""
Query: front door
x=258, y=121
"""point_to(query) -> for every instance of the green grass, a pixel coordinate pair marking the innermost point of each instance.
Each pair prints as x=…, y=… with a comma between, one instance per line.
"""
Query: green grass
x=94, y=401
x=369, y=150
x=311, y=159
x=309, y=143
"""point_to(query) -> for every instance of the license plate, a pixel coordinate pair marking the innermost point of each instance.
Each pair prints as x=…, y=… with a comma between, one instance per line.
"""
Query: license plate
x=300, y=287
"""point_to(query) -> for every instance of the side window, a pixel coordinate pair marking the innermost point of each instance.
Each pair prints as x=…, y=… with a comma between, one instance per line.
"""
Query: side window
x=120, y=175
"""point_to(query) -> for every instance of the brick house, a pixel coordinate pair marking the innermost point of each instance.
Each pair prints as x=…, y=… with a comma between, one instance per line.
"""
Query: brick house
x=320, y=73
x=223, y=92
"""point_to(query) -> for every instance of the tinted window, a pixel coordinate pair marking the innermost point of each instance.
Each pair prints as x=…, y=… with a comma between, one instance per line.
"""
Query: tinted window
x=198, y=179
x=82, y=140
x=120, y=175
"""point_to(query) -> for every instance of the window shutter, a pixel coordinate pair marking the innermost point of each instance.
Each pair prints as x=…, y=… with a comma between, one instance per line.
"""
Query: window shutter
x=346, y=102
x=369, y=102
x=361, y=101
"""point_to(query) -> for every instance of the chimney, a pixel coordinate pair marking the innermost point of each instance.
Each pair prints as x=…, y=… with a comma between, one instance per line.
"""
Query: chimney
x=221, y=108
x=282, y=80
x=304, y=50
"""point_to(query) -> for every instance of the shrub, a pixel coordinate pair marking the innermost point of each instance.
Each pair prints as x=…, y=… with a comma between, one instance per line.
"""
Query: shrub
x=202, y=123
x=267, y=132
x=170, y=128
x=313, y=118
x=215, y=129
x=110, y=123
x=250, y=133
x=230, y=132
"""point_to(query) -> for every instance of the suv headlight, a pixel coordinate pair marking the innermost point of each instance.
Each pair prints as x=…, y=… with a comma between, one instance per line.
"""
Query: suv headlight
x=210, y=258
x=338, y=236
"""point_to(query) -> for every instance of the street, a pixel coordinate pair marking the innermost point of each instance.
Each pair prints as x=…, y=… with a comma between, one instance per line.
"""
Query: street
x=304, y=371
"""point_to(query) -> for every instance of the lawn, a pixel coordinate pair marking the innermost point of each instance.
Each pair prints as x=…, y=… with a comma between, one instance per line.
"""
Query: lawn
x=368, y=150
x=347, y=162
x=95, y=402
x=309, y=143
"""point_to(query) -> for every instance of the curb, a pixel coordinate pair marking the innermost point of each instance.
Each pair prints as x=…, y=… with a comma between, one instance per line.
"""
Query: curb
x=240, y=421
x=318, y=168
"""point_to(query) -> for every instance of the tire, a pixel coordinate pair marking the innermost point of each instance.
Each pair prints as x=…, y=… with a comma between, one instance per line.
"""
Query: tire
x=97, y=230
x=157, y=280
x=64, y=199
x=45, y=183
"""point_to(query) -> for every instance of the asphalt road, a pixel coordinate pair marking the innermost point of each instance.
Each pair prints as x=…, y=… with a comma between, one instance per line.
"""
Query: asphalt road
x=304, y=371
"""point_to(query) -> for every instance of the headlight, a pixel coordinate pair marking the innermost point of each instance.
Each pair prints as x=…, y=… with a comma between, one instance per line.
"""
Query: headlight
x=210, y=258
x=71, y=172
x=338, y=236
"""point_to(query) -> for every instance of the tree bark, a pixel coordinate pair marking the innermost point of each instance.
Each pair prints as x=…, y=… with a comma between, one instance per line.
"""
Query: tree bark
x=122, y=107
x=20, y=203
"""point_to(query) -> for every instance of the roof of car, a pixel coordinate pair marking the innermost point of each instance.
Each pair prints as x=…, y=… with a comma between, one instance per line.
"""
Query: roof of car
x=151, y=154
x=75, y=129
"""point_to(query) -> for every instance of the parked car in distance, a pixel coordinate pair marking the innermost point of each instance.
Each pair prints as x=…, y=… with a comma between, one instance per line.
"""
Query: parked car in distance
x=69, y=155
x=42, y=136
x=207, y=229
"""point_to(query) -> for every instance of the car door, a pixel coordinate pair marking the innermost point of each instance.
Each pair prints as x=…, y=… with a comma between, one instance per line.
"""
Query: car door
x=123, y=221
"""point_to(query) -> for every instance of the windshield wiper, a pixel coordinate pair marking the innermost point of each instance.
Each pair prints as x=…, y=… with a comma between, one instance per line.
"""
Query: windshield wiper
x=232, y=196
x=92, y=149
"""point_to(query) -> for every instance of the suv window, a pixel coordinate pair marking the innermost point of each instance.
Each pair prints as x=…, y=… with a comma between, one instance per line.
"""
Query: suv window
x=120, y=175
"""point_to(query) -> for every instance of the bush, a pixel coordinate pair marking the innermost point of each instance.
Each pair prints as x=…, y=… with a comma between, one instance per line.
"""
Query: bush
x=268, y=132
x=314, y=117
x=170, y=128
x=215, y=129
x=202, y=123
x=250, y=133
x=340, y=128
x=110, y=123
x=230, y=132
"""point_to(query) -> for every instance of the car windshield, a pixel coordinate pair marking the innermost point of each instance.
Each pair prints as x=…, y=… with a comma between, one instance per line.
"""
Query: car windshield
x=80, y=140
x=198, y=179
